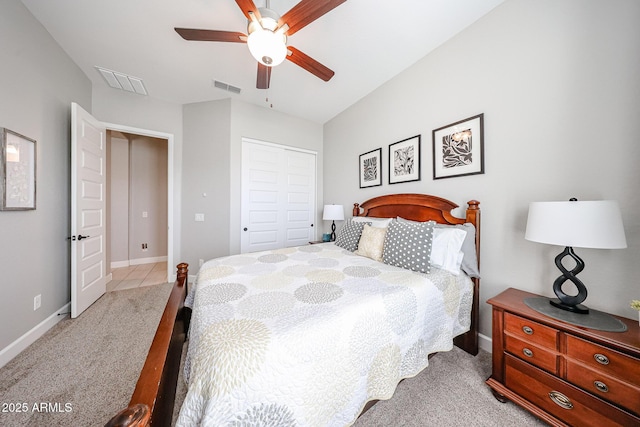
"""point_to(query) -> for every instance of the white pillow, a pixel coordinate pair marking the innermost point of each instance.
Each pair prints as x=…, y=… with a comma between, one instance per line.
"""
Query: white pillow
x=446, y=250
x=375, y=222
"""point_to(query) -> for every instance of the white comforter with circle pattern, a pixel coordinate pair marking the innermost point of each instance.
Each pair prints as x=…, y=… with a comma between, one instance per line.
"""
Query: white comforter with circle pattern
x=305, y=336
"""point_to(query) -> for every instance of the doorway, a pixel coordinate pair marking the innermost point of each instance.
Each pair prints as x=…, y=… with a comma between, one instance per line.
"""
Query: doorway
x=137, y=224
x=89, y=236
x=128, y=130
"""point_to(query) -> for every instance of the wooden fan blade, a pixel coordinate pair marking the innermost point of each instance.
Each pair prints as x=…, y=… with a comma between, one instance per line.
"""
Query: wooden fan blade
x=264, y=76
x=305, y=12
x=211, y=35
x=309, y=64
x=248, y=6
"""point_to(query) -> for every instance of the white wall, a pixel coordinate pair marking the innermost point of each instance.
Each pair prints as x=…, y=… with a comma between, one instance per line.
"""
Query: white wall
x=119, y=198
x=148, y=186
x=213, y=133
x=206, y=181
x=558, y=84
x=38, y=82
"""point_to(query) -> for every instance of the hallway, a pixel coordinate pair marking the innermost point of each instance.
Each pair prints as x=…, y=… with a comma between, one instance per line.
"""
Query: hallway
x=136, y=276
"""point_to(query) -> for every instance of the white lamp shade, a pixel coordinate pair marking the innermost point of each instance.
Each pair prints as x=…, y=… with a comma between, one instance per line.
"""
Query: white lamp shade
x=333, y=213
x=267, y=47
x=580, y=224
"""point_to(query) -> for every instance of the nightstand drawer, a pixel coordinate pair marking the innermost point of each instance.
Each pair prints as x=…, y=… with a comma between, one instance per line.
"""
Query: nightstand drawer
x=562, y=400
x=530, y=331
x=602, y=359
x=604, y=386
x=541, y=357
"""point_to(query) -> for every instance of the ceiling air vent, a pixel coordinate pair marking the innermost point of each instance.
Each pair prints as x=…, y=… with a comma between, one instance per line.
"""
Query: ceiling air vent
x=122, y=81
x=226, y=86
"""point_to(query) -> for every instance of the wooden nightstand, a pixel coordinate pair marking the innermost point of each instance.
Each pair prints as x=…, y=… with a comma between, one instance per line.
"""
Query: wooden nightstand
x=564, y=374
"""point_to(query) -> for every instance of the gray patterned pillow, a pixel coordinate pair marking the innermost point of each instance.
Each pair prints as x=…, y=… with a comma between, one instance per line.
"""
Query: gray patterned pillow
x=470, y=259
x=349, y=235
x=408, y=245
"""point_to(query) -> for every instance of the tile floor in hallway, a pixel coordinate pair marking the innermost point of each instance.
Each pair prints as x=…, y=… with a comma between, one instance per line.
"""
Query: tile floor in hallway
x=136, y=276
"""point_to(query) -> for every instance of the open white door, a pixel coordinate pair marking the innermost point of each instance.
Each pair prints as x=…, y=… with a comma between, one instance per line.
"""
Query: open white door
x=88, y=206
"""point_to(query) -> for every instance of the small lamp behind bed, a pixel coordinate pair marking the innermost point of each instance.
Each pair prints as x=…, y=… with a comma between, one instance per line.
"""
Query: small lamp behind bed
x=584, y=224
x=333, y=213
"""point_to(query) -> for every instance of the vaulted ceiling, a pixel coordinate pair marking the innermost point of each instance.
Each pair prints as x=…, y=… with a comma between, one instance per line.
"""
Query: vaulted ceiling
x=365, y=42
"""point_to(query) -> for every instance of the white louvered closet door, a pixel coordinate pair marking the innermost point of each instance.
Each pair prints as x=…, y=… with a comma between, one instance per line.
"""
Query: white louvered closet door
x=278, y=196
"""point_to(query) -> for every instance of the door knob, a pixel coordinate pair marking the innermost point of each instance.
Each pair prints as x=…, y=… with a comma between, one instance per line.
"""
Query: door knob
x=80, y=237
x=245, y=229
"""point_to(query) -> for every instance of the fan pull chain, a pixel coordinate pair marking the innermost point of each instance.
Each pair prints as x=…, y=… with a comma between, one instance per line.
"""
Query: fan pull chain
x=267, y=100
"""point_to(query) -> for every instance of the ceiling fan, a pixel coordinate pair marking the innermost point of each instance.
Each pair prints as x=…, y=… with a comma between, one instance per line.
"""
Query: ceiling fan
x=268, y=32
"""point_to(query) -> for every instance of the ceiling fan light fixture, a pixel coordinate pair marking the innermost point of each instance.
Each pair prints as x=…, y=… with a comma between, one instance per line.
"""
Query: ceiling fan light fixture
x=267, y=47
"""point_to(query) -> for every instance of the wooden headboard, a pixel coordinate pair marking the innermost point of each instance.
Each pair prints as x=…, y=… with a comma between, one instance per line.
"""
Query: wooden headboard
x=423, y=207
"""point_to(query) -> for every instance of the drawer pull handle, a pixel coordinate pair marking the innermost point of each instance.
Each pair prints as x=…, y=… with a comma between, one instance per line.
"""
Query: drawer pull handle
x=527, y=352
x=561, y=400
x=527, y=330
x=601, y=386
x=601, y=359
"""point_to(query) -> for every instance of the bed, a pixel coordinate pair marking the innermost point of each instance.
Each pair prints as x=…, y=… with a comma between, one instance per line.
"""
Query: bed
x=310, y=335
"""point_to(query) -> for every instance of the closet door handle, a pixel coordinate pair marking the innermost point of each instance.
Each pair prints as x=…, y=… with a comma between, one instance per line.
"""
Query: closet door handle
x=245, y=229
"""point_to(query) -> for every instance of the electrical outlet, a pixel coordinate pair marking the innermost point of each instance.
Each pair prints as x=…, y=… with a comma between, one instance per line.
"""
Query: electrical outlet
x=144, y=247
x=37, y=301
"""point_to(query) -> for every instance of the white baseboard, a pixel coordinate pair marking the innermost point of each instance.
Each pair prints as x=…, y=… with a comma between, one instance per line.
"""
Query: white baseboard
x=120, y=264
x=485, y=343
x=138, y=261
x=13, y=349
x=151, y=260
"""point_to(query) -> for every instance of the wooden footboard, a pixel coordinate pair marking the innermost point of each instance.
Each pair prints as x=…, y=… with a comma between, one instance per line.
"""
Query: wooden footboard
x=153, y=398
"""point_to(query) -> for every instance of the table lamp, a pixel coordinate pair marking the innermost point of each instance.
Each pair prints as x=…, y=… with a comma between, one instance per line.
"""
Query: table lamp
x=333, y=213
x=573, y=223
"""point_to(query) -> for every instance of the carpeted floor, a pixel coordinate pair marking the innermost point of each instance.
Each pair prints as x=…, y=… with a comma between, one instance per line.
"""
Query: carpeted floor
x=450, y=392
x=83, y=371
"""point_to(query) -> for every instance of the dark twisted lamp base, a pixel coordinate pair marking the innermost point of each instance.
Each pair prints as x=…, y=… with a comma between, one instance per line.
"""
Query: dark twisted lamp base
x=564, y=301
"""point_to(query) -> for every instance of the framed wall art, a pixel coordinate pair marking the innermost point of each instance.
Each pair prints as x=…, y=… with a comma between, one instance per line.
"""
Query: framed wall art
x=458, y=148
x=17, y=171
x=371, y=168
x=404, y=160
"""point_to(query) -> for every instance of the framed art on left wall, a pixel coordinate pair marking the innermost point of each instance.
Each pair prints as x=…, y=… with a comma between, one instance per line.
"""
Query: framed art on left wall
x=17, y=171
